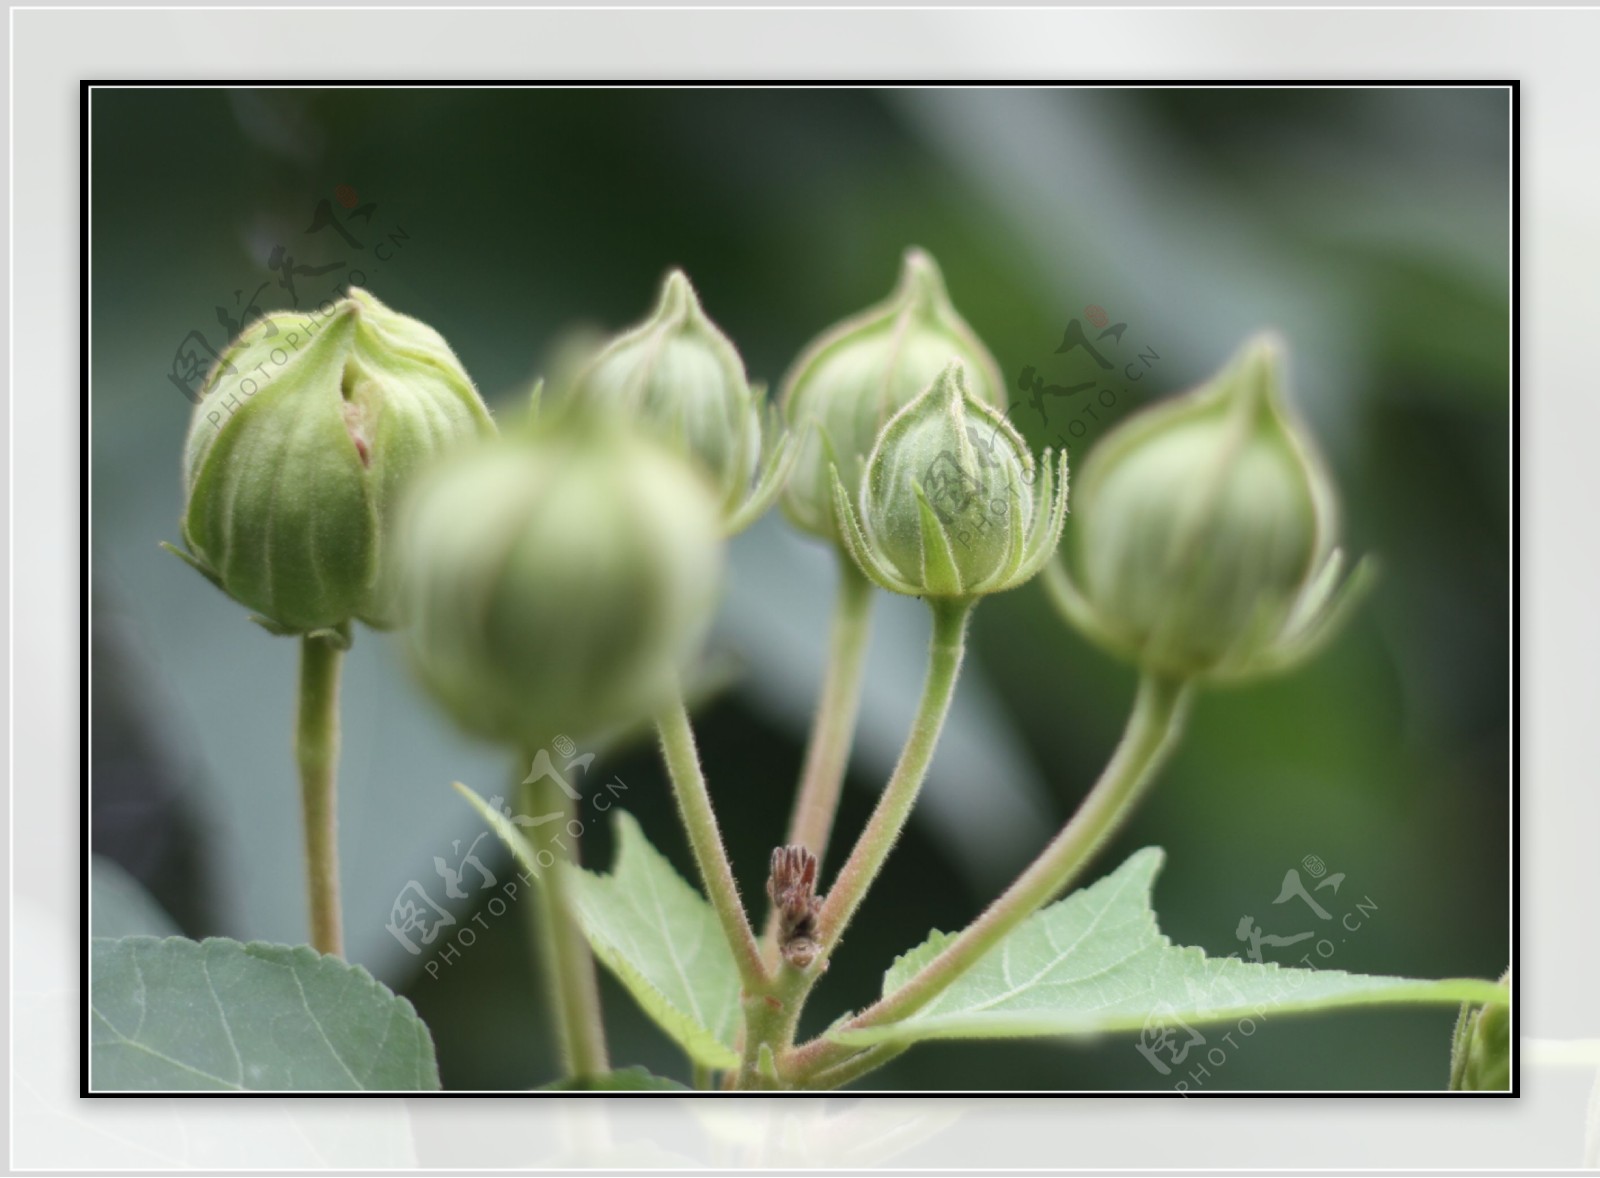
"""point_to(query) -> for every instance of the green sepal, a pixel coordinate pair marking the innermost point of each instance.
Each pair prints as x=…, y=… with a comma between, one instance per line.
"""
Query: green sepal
x=197, y=565
x=940, y=576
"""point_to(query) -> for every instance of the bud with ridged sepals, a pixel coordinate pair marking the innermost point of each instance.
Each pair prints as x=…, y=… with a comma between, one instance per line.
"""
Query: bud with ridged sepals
x=1480, y=1057
x=1204, y=546
x=857, y=375
x=558, y=579
x=308, y=434
x=681, y=380
x=952, y=505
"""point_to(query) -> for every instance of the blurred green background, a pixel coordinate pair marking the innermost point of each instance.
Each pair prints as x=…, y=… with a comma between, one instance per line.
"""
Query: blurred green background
x=1370, y=226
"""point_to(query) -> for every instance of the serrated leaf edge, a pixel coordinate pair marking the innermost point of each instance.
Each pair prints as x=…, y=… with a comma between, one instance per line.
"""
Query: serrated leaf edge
x=310, y=956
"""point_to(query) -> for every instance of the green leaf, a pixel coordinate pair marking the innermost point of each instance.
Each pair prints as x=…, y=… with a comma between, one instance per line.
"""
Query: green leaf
x=1096, y=962
x=633, y=1079
x=662, y=940
x=174, y=1014
x=521, y=850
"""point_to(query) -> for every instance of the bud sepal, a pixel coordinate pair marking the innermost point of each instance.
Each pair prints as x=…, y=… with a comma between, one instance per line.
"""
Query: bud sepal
x=1480, y=1051
x=993, y=517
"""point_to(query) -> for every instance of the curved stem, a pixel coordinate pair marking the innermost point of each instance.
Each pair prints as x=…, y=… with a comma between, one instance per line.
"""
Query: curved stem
x=832, y=729
x=945, y=649
x=705, y=840
x=773, y=1022
x=855, y=1067
x=316, y=747
x=568, y=966
x=1151, y=733
x=834, y=726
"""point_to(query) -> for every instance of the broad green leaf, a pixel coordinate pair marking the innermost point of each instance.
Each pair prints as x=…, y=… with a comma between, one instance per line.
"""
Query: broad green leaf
x=1096, y=962
x=633, y=1079
x=172, y=1014
x=655, y=932
x=662, y=940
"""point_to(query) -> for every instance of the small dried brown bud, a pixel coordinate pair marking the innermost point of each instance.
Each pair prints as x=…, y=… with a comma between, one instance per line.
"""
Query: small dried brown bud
x=792, y=887
x=800, y=952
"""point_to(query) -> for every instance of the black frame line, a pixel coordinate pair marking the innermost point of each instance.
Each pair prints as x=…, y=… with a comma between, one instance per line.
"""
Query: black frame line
x=88, y=85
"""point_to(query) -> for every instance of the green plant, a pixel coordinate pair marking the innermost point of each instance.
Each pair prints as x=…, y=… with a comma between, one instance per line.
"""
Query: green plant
x=561, y=577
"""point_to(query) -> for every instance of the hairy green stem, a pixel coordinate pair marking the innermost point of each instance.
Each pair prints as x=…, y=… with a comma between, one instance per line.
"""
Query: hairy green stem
x=765, y=1025
x=773, y=1021
x=570, y=982
x=1149, y=737
x=835, y=724
x=855, y=1066
x=705, y=840
x=316, y=748
x=832, y=729
x=945, y=649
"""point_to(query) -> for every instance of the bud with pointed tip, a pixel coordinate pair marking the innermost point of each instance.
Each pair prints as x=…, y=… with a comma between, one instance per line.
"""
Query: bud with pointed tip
x=949, y=507
x=858, y=374
x=1205, y=538
x=558, y=579
x=297, y=454
x=1480, y=1057
x=681, y=379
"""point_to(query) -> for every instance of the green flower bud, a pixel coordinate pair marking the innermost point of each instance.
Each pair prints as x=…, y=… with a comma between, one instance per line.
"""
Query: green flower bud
x=681, y=379
x=1480, y=1059
x=558, y=581
x=857, y=375
x=1205, y=536
x=296, y=456
x=949, y=507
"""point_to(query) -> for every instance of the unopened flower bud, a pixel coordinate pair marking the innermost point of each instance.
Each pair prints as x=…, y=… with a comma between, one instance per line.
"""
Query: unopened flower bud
x=950, y=505
x=559, y=580
x=1204, y=545
x=680, y=379
x=858, y=374
x=310, y=430
x=1480, y=1060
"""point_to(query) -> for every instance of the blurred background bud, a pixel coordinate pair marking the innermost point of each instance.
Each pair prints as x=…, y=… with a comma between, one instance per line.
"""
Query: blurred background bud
x=558, y=581
x=679, y=378
x=858, y=374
